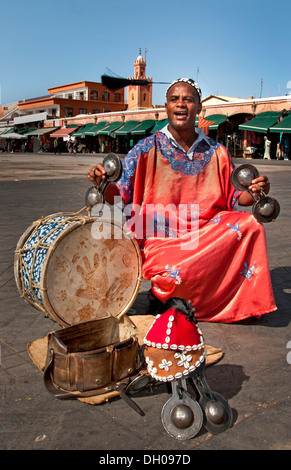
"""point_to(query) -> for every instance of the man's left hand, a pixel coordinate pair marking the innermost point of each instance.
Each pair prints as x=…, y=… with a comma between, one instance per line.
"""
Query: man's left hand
x=260, y=186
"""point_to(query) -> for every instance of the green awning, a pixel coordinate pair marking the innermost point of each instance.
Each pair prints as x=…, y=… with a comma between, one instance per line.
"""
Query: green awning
x=126, y=128
x=94, y=130
x=283, y=126
x=159, y=125
x=143, y=127
x=26, y=131
x=262, y=122
x=110, y=128
x=217, y=119
x=81, y=132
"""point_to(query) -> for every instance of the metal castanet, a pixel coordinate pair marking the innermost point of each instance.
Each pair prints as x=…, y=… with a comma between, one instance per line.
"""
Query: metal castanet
x=113, y=171
x=242, y=176
x=182, y=416
x=265, y=208
x=217, y=414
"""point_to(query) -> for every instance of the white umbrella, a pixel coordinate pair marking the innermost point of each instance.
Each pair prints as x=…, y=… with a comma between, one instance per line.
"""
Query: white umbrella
x=12, y=135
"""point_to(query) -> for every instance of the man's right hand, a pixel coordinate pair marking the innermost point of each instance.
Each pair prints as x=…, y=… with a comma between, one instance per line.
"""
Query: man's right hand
x=96, y=174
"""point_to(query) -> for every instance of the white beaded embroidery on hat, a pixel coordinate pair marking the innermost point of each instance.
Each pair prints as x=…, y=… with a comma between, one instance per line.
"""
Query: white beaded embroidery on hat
x=190, y=82
x=166, y=365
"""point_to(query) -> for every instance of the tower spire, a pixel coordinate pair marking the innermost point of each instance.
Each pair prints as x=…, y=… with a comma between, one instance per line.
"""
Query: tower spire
x=139, y=96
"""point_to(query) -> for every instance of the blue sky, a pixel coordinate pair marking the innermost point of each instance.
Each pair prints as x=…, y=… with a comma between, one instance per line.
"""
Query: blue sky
x=234, y=44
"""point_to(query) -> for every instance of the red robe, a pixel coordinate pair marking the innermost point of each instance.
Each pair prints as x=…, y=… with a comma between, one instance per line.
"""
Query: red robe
x=198, y=248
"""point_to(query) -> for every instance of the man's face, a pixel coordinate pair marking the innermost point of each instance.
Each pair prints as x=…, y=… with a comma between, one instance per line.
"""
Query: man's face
x=182, y=106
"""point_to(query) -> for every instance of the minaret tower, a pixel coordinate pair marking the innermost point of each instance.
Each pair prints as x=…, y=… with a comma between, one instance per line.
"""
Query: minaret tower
x=139, y=97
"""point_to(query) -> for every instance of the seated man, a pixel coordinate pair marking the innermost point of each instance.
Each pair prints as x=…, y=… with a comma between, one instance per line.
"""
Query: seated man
x=212, y=256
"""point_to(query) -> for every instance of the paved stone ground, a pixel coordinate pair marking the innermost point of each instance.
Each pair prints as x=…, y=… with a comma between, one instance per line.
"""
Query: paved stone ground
x=254, y=374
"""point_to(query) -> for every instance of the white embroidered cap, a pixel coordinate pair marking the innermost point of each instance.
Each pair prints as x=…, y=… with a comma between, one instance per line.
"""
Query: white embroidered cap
x=190, y=81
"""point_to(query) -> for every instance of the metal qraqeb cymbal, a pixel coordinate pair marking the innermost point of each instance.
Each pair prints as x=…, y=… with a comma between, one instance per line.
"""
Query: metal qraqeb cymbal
x=113, y=171
x=113, y=167
x=265, y=209
x=94, y=197
x=242, y=176
x=182, y=419
x=182, y=415
x=217, y=414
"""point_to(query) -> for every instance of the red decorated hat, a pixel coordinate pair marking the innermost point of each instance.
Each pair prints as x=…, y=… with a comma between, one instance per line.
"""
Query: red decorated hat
x=172, y=330
x=174, y=346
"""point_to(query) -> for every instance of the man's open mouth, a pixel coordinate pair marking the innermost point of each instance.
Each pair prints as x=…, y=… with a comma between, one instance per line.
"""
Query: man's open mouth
x=180, y=114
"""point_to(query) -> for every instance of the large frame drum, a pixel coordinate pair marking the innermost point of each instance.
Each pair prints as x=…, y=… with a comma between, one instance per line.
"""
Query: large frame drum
x=76, y=268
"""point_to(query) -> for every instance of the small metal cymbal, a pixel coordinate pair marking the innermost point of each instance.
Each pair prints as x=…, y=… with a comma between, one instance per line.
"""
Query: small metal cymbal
x=243, y=175
x=113, y=167
x=215, y=412
x=182, y=416
x=94, y=196
x=266, y=209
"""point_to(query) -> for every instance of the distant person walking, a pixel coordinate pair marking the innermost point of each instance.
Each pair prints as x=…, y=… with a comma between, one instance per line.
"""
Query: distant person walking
x=57, y=146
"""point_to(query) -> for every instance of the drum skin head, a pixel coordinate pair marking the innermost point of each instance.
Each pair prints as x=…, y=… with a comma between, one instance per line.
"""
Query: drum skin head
x=89, y=278
x=90, y=270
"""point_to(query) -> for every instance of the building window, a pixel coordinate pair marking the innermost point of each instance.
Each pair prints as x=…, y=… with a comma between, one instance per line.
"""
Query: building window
x=96, y=111
x=107, y=110
x=117, y=97
x=69, y=111
x=105, y=96
x=94, y=95
x=144, y=96
x=82, y=110
x=81, y=95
